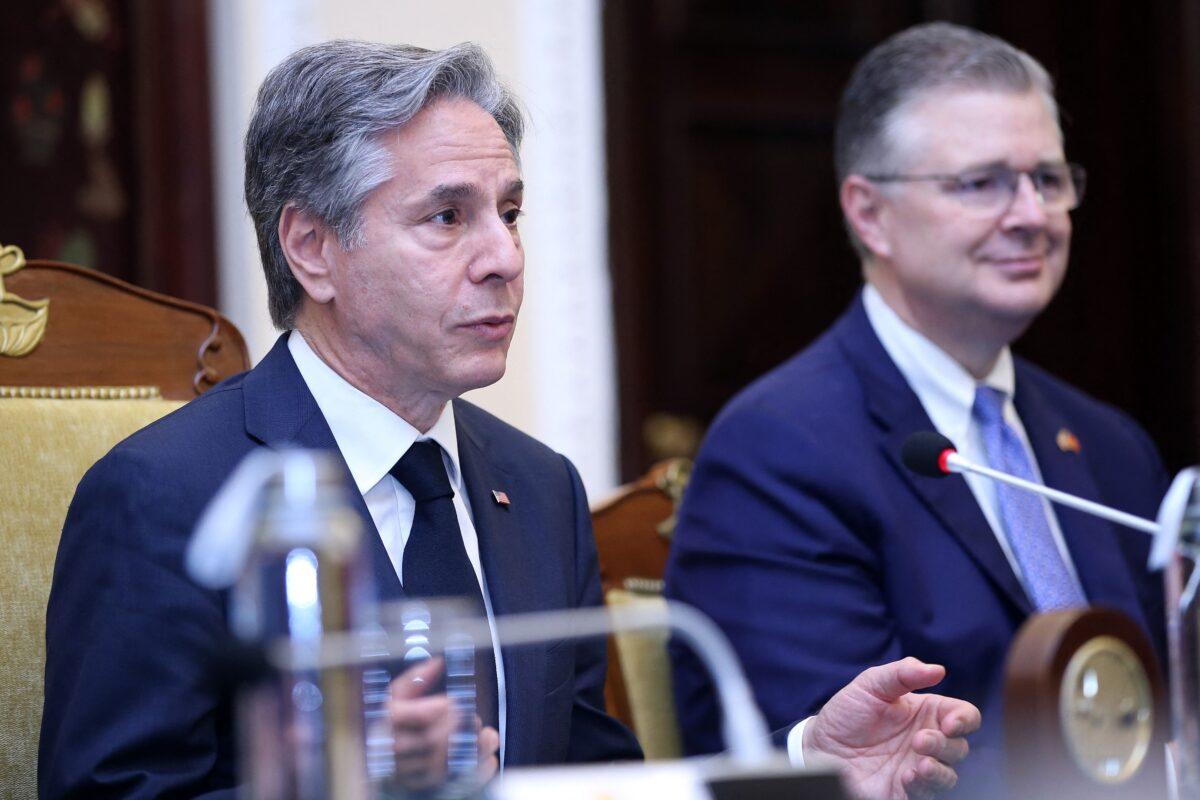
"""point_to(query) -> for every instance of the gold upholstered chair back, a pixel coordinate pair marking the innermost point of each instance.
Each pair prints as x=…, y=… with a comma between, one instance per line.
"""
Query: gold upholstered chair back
x=633, y=537
x=85, y=360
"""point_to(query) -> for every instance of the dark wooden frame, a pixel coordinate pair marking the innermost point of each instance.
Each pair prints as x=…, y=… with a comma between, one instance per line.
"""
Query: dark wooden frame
x=175, y=230
x=104, y=332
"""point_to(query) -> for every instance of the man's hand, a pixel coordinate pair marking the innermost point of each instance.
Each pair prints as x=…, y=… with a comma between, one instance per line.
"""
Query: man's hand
x=889, y=743
x=421, y=728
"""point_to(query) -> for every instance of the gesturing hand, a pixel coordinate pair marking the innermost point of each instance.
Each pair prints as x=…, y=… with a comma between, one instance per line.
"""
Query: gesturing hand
x=889, y=743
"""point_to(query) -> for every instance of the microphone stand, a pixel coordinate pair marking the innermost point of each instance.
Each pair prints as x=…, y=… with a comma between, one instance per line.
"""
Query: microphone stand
x=956, y=463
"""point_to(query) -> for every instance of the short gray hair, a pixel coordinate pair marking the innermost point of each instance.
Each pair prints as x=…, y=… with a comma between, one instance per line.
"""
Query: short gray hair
x=917, y=60
x=315, y=138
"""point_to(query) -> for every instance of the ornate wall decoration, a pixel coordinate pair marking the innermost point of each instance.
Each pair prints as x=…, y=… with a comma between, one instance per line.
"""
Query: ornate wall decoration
x=22, y=322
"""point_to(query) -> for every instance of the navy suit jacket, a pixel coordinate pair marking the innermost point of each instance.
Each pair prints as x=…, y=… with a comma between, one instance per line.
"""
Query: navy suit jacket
x=129, y=708
x=819, y=554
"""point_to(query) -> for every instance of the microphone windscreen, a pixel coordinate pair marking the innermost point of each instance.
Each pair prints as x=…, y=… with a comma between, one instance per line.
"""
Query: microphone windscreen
x=922, y=453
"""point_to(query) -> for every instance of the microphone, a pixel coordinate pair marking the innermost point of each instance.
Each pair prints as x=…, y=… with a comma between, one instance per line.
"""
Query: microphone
x=931, y=454
x=925, y=453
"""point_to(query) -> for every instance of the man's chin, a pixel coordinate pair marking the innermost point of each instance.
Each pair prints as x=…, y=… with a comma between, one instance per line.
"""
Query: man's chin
x=1020, y=300
x=482, y=376
x=1009, y=320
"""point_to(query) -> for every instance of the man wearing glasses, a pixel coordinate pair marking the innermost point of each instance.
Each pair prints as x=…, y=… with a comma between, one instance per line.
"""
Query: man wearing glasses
x=802, y=534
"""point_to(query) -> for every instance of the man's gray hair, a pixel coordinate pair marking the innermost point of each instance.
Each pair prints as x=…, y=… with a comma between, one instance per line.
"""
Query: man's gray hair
x=316, y=136
x=917, y=60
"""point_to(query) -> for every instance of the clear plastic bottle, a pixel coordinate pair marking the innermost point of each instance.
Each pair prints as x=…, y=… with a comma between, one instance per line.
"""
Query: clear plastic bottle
x=304, y=731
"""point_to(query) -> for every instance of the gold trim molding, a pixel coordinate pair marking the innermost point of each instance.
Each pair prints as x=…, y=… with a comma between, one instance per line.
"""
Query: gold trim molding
x=81, y=392
x=648, y=587
x=673, y=482
x=22, y=322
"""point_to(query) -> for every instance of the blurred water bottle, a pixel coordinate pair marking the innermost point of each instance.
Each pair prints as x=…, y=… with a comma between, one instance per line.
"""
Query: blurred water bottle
x=285, y=533
x=429, y=628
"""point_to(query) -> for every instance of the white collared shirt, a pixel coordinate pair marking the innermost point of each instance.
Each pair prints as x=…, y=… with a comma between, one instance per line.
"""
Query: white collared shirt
x=947, y=392
x=372, y=439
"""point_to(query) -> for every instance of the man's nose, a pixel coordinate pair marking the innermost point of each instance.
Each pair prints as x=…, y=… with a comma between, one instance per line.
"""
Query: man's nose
x=498, y=252
x=1027, y=209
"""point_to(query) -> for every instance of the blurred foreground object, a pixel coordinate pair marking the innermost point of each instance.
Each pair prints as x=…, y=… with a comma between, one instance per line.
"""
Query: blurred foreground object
x=1085, y=708
x=1086, y=714
x=283, y=534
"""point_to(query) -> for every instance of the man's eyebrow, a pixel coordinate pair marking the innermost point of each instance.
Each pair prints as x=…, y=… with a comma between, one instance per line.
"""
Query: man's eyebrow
x=996, y=163
x=447, y=192
x=1004, y=164
x=451, y=192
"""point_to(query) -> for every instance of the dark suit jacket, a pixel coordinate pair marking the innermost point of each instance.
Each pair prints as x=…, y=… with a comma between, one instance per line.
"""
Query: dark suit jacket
x=819, y=554
x=129, y=710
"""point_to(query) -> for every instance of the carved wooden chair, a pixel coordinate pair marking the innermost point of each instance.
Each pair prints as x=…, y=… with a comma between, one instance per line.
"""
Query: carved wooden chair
x=85, y=360
x=633, y=535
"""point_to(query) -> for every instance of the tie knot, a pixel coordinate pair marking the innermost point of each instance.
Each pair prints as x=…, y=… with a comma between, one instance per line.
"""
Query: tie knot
x=989, y=405
x=422, y=472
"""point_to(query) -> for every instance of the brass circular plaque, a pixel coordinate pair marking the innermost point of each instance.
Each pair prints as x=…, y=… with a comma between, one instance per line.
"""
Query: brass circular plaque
x=1106, y=706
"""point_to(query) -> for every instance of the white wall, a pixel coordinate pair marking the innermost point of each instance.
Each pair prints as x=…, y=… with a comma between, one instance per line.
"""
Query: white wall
x=560, y=385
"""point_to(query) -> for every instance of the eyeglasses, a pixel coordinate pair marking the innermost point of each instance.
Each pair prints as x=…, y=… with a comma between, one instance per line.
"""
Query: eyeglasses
x=991, y=190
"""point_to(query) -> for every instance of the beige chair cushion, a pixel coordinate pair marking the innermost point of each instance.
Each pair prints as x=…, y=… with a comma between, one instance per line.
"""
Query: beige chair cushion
x=647, y=671
x=45, y=447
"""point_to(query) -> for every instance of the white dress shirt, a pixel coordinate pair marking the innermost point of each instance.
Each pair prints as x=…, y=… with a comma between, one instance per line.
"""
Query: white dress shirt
x=947, y=392
x=372, y=439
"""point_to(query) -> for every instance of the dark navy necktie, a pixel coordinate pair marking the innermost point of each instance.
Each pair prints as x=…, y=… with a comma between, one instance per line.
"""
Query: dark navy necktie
x=435, y=562
x=1046, y=574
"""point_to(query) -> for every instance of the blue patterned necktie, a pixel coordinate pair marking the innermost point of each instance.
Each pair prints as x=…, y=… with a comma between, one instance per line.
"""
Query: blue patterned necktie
x=1047, y=577
x=435, y=561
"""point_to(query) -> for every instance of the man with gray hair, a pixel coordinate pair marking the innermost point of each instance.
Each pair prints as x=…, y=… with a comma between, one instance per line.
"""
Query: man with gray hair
x=802, y=534
x=384, y=185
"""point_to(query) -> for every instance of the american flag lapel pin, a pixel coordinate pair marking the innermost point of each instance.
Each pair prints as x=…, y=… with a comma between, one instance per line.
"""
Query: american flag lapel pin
x=1067, y=441
x=501, y=498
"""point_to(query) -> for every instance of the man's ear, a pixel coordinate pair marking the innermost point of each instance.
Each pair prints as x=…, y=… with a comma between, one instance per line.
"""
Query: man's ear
x=865, y=212
x=309, y=246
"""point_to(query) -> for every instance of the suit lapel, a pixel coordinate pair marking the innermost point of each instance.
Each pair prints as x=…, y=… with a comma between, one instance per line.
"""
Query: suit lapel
x=898, y=413
x=512, y=584
x=281, y=412
x=1091, y=541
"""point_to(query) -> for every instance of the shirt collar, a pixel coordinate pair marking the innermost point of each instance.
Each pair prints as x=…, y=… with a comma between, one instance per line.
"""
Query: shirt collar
x=369, y=435
x=944, y=387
